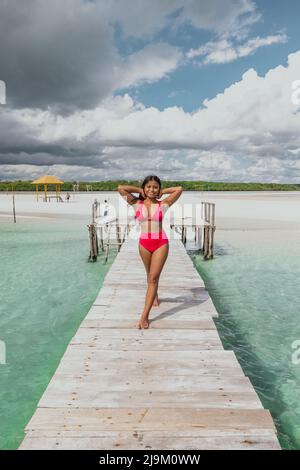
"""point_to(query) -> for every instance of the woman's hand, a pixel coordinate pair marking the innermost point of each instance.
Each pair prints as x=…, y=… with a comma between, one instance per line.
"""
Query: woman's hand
x=126, y=191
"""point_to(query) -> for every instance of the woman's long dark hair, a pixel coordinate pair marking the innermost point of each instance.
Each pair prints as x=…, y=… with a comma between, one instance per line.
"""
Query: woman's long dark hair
x=146, y=181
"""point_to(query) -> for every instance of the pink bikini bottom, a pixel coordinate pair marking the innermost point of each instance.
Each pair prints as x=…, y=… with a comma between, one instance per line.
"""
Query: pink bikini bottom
x=153, y=240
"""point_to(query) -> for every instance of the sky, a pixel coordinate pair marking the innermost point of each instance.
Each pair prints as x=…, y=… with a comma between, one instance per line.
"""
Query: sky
x=96, y=90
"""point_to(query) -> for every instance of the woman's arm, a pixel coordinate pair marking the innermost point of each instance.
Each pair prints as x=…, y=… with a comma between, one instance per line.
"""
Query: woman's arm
x=126, y=193
x=175, y=194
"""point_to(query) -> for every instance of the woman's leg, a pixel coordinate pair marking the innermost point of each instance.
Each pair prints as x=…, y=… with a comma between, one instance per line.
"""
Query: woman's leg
x=146, y=258
x=158, y=259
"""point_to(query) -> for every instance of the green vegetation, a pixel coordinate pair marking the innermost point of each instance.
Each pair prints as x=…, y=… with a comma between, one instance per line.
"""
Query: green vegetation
x=187, y=186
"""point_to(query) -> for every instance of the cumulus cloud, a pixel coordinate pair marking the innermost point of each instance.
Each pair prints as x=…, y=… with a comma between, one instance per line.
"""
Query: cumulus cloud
x=224, y=51
x=150, y=64
x=66, y=74
x=151, y=17
x=226, y=18
x=237, y=134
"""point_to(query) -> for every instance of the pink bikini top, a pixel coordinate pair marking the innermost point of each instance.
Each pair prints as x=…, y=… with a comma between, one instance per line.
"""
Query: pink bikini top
x=157, y=216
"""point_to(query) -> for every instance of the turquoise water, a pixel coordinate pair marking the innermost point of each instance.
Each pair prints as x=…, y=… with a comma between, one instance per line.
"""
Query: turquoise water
x=254, y=281
x=47, y=287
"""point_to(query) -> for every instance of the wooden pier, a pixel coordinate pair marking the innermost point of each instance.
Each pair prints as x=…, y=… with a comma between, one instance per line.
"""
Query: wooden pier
x=172, y=386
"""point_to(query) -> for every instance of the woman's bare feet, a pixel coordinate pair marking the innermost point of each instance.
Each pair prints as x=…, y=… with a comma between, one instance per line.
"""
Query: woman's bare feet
x=143, y=323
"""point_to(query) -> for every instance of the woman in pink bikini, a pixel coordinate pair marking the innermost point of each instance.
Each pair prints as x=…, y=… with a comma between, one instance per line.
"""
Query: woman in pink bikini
x=153, y=242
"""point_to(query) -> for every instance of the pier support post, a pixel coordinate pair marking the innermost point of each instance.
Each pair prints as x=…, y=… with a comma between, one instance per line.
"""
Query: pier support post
x=208, y=216
x=93, y=242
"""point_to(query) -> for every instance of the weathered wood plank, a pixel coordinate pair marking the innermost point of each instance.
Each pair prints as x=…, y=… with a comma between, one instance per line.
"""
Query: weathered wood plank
x=97, y=334
x=179, y=419
x=121, y=323
x=159, y=398
x=144, y=441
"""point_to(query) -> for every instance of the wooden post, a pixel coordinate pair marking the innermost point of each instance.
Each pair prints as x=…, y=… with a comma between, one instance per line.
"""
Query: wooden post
x=107, y=244
x=204, y=241
x=200, y=238
x=14, y=209
x=93, y=243
x=96, y=241
x=101, y=239
x=209, y=254
x=118, y=234
x=213, y=228
x=95, y=206
x=93, y=212
x=206, y=233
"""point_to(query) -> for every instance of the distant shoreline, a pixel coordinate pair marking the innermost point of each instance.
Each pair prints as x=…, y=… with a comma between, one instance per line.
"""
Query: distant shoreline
x=265, y=191
x=111, y=185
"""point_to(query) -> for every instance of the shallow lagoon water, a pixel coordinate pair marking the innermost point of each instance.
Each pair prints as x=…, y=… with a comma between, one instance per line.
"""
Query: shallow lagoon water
x=254, y=282
x=47, y=287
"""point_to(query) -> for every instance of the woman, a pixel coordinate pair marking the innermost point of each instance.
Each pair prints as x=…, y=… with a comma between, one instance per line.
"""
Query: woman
x=153, y=242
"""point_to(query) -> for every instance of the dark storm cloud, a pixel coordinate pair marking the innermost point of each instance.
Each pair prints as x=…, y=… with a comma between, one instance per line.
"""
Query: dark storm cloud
x=46, y=159
x=61, y=55
x=55, y=56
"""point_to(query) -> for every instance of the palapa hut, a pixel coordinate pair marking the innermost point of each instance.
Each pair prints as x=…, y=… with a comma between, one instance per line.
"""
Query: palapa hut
x=46, y=181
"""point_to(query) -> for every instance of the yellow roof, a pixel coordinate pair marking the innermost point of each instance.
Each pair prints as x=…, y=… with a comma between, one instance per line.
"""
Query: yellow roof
x=47, y=179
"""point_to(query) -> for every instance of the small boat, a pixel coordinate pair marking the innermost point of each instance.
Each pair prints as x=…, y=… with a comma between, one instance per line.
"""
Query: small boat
x=105, y=219
x=105, y=214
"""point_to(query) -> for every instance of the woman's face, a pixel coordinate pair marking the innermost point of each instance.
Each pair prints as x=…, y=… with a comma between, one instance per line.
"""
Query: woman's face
x=151, y=189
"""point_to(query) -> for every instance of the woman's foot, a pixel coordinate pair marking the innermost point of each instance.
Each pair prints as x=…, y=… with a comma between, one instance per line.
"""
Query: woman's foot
x=156, y=302
x=143, y=323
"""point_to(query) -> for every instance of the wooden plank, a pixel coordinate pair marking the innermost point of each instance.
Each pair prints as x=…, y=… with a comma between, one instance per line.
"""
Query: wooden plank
x=142, y=441
x=84, y=369
x=97, y=334
x=175, y=307
x=181, y=419
x=119, y=322
x=82, y=352
x=76, y=389
x=78, y=358
x=149, y=344
x=159, y=398
x=110, y=379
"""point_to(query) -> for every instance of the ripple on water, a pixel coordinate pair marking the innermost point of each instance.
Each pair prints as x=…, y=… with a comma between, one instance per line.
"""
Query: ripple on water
x=254, y=281
x=47, y=287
